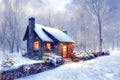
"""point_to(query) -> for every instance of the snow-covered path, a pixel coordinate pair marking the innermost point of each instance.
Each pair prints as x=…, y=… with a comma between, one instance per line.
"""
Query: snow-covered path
x=101, y=68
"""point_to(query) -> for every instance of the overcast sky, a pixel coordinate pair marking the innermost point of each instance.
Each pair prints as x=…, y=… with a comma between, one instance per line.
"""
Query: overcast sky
x=32, y=6
x=44, y=7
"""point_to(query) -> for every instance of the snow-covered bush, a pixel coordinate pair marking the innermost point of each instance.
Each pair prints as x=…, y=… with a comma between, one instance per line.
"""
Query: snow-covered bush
x=104, y=53
x=8, y=62
x=96, y=54
x=82, y=56
x=53, y=59
x=76, y=57
x=89, y=56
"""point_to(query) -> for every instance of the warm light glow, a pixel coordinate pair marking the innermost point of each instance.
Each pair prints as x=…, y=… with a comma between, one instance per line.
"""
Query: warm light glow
x=64, y=51
x=64, y=48
x=36, y=45
x=48, y=46
x=61, y=43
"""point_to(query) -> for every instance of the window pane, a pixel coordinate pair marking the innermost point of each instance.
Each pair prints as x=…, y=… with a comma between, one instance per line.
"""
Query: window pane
x=36, y=45
x=48, y=46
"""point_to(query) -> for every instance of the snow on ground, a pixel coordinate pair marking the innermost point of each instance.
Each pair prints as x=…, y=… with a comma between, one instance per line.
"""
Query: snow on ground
x=101, y=68
x=18, y=60
x=22, y=60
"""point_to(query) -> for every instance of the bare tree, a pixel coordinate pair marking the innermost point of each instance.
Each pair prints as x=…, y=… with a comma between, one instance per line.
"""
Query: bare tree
x=18, y=15
x=12, y=17
x=100, y=9
x=2, y=38
x=10, y=30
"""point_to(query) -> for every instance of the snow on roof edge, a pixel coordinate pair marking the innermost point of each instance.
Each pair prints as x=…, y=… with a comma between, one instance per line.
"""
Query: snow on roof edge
x=58, y=34
x=41, y=34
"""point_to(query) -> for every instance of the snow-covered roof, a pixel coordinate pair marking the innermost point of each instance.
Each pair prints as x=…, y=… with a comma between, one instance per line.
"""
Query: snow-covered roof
x=40, y=33
x=59, y=35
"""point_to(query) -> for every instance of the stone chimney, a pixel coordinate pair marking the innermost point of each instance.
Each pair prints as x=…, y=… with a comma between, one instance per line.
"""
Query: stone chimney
x=31, y=24
x=31, y=33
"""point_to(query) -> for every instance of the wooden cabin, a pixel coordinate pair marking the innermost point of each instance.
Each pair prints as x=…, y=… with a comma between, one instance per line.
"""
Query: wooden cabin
x=42, y=39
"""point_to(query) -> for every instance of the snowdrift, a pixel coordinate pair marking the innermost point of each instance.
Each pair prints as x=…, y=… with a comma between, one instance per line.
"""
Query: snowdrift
x=101, y=68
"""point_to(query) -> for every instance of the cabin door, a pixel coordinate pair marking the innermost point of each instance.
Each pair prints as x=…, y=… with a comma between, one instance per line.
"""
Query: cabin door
x=65, y=53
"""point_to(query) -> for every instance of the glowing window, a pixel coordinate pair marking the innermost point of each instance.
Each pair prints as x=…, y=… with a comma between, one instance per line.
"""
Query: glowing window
x=64, y=48
x=36, y=45
x=48, y=46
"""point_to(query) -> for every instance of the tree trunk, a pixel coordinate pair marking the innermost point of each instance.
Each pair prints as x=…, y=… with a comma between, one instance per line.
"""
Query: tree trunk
x=113, y=45
x=100, y=34
x=85, y=47
x=17, y=49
